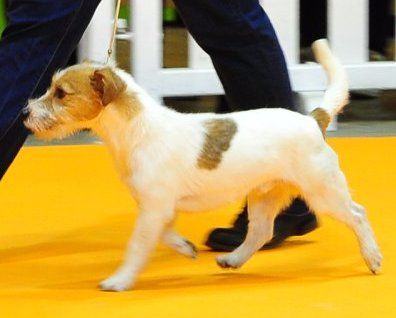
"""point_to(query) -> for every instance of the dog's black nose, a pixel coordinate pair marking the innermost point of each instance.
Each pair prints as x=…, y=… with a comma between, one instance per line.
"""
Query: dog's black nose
x=25, y=112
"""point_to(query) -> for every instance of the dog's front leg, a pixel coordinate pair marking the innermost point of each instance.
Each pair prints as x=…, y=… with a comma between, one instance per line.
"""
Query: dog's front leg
x=149, y=228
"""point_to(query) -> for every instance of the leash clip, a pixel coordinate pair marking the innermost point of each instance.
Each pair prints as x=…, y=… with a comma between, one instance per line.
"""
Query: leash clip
x=113, y=35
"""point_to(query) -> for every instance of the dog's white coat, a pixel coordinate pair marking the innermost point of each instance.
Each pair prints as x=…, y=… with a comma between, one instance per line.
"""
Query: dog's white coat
x=274, y=155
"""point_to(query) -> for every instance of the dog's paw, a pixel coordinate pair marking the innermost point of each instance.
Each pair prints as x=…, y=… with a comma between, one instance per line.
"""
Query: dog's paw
x=187, y=249
x=228, y=261
x=180, y=244
x=373, y=258
x=117, y=282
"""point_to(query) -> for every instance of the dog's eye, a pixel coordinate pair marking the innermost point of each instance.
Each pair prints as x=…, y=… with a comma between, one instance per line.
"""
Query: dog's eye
x=59, y=93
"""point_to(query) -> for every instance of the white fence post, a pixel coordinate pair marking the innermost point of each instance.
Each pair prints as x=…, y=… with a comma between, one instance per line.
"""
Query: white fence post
x=197, y=58
x=348, y=25
x=147, y=48
x=95, y=41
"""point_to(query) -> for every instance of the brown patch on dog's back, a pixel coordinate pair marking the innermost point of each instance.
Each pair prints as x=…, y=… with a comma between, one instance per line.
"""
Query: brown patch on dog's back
x=322, y=117
x=219, y=134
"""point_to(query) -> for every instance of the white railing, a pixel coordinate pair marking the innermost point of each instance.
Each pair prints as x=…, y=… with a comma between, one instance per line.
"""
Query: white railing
x=347, y=32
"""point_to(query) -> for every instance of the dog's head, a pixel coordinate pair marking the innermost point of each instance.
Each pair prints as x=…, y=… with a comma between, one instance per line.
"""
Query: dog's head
x=76, y=97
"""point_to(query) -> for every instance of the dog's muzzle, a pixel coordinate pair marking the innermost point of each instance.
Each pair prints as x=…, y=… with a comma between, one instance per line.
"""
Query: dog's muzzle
x=37, y=118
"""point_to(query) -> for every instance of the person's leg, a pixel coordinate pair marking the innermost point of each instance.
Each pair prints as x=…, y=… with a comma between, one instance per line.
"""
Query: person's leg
x=243, y=46
x=39, y=39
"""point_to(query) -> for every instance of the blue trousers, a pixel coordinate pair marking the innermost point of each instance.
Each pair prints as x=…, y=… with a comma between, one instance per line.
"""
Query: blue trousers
x=39, y=39
x=243, y=46
x=42, y=34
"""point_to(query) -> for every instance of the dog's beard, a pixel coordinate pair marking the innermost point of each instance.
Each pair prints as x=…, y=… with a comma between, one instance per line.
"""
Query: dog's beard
x=48, y=129
x=57, y=132
x=39, y=124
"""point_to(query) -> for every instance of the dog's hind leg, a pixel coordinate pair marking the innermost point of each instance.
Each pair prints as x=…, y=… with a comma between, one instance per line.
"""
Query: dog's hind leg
x=368, y=245
x=330, y=195
x=262, y=210
x=179, y=243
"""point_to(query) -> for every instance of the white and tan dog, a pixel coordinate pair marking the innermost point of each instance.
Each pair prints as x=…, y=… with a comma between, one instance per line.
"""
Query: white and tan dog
x=172, y=161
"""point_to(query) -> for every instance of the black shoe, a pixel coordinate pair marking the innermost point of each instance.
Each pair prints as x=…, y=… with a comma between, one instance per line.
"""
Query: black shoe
x=292, y=222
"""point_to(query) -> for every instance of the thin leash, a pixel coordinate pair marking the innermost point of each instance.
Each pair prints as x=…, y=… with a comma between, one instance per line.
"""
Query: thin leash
x=111, y=45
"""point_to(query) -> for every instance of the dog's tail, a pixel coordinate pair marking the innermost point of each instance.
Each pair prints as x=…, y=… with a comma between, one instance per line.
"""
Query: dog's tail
x=337, y=93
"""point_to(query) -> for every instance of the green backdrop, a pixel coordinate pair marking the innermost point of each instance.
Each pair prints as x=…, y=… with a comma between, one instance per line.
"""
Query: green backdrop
x=3, y=20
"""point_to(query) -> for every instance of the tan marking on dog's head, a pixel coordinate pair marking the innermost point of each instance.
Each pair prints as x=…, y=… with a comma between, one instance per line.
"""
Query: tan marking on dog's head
x=322, y=117
x=218, y=137
x=76, y=96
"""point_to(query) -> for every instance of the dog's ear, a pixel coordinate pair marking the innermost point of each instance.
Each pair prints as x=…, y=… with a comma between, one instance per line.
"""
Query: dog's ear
x=107, y=84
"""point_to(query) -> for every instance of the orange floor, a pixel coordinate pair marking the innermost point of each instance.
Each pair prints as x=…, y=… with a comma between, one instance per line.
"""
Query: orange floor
x=65, y=220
